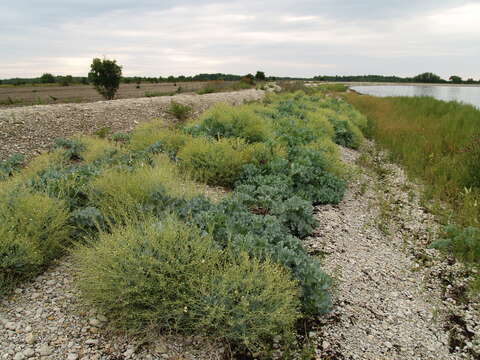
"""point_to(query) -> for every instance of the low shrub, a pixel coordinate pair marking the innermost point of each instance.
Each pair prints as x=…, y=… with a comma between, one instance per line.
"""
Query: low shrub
x=96, y=148
x=71, y=183
x=72, y=148
x=166, y=275
x=462, y=242
x=232, y=122
x=232, y=223
x=169, y=139
x=34, y=231
x=122, y=193
x=120, y=137
x=213, y=162
x=273, y=195
x=346, y=133
x=180, y=111
x=11, y=165
x=42, y=162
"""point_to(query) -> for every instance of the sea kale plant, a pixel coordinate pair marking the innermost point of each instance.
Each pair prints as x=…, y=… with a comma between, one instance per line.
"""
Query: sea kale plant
x=150, y=230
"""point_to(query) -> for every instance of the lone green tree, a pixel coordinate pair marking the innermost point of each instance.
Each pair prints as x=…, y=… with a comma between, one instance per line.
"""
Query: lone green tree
x=105, y=75
x=47, y=78
x=456, y=79
x=428, y=77
x=260, y=76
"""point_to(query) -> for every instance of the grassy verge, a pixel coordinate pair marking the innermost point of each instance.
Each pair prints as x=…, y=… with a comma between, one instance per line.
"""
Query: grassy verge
x=154, y=252
x=439, y=143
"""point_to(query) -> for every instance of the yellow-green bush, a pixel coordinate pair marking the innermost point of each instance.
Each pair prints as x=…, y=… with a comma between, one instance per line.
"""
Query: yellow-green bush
x=166, y=275
x=318, y=122
x=150, y=133
x=96, y=148
x=34, y=230
x=120, y=193
x=331, y=155
x=228, y=121
x=218, y=162
x=42, y=162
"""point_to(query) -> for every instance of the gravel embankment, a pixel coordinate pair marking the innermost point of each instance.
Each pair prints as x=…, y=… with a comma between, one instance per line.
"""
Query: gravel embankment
x=394, y=297
x=31, y=129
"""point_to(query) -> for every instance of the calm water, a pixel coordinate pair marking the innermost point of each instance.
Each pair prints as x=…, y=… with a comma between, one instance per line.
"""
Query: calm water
x=465, y=94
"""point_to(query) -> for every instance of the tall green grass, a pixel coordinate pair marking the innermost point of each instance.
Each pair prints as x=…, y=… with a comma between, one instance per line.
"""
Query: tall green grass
x=439, y=143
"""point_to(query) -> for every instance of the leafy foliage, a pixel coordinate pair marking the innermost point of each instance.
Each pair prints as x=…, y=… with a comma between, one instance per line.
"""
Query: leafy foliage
x=73, y=148
x=129, y=274
x=462, y=242
x=179, y=111
x=34, y=231
x=105, y=75
x=231, y=122
x=11, y=165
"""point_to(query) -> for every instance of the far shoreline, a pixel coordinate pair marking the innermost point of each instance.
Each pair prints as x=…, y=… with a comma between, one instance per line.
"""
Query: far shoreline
x=365, y=83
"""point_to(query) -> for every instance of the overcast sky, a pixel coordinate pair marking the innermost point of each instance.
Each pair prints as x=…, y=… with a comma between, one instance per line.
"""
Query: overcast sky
x=281, y=37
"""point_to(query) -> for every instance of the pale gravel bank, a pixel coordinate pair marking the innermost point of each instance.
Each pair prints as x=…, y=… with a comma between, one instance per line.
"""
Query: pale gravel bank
x=394, y=298
x=31, y=129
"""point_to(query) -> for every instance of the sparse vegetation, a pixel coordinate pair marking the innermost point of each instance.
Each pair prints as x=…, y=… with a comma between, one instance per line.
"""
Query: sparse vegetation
x=180, y=111
x=437, y=142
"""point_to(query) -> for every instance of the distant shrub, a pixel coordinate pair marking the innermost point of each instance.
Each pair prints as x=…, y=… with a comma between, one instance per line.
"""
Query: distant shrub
x=11, y=165
x=103, y=132
x=120, y=137
x=165, y=275
x=34, y=230
x=157, y=93
x=229, y=121
x=179, y=111
x=206, y=90
x=73, y=148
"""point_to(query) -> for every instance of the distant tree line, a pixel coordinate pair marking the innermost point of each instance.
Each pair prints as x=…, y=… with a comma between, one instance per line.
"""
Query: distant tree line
x=66, y=80
x=426, y=77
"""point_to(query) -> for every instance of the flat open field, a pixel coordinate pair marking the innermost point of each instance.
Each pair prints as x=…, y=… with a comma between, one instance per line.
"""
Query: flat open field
x=41, y=94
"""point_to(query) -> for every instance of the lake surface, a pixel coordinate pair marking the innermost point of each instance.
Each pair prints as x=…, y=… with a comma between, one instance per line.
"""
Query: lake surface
x=465, y=94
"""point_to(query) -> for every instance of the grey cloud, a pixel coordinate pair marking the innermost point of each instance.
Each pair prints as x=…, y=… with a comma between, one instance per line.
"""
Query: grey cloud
x=298, y=38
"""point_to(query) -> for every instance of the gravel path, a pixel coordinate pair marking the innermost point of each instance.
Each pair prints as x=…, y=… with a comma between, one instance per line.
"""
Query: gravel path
x=31, y=129
x=388, y=304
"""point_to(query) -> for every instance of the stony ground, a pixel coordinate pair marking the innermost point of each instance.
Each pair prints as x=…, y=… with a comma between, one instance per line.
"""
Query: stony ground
x=31, y=129
x=394, y=298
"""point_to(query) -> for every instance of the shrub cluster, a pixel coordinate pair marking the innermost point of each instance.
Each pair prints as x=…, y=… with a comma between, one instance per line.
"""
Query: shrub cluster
x=34, y=231
x=156, y=253
x=165, y=274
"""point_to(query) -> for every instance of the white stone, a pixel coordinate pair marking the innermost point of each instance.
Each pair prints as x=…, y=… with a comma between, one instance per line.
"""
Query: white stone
x=30, y=339
x=28, y=352
x=45, y=350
